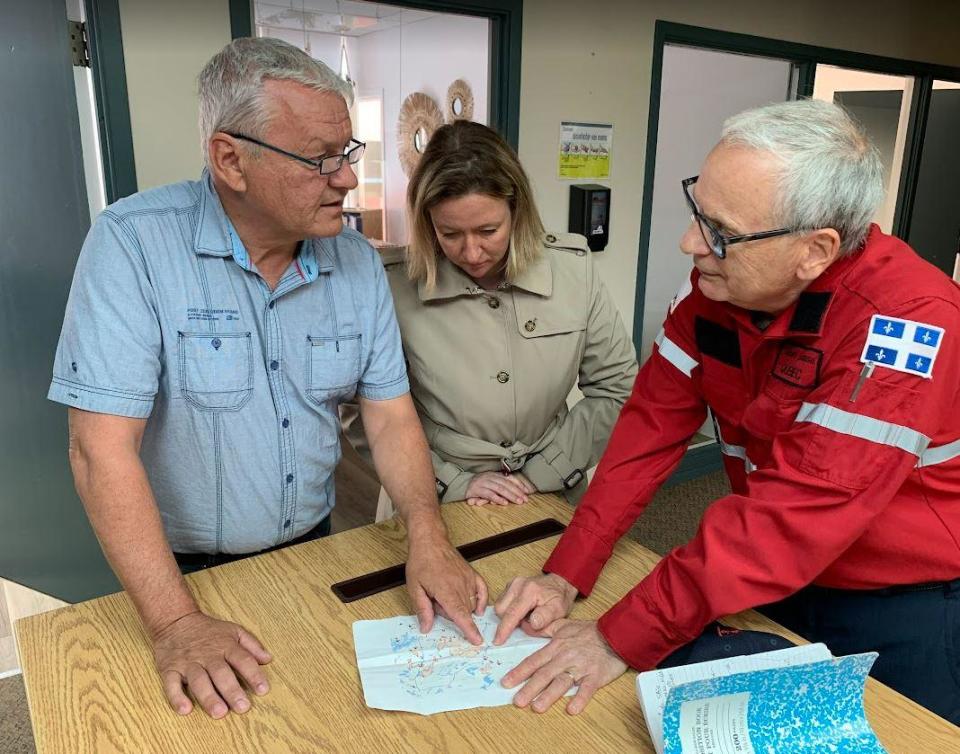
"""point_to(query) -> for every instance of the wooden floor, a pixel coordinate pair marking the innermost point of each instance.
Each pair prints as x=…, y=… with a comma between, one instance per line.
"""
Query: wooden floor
x=357, y=491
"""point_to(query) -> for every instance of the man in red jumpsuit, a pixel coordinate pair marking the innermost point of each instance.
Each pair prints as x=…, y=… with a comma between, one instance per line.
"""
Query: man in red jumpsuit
x=828, y=354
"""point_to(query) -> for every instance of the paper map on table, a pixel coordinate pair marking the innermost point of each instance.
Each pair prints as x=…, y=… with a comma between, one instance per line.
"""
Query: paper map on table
x=440, y=671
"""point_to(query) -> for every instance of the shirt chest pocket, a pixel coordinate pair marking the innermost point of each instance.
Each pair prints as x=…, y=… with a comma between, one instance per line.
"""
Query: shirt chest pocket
x=216, y=369
x=775, y=409
x=333, y=367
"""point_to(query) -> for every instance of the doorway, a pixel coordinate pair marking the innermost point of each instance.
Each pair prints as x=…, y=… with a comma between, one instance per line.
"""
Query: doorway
x=701, y=76
x=408, y=68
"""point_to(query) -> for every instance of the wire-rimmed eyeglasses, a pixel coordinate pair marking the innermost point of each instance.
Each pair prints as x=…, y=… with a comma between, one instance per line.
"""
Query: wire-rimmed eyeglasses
x=326, y=164
x=715, y=240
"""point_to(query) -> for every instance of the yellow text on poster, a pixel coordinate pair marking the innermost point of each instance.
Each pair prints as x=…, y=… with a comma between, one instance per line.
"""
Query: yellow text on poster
x=585, y=150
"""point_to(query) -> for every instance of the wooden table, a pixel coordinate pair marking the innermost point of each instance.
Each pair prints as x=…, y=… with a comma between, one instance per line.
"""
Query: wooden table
x=92, y=686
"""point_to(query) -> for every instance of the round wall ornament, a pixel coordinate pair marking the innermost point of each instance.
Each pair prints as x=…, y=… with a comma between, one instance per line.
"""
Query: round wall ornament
x=459, y=101
x=419, y=117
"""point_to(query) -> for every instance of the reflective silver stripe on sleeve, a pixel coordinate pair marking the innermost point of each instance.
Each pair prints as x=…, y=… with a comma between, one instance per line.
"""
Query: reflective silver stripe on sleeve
x=939, y=454
x=864, y=427
x=734, y=451
x=674, y=354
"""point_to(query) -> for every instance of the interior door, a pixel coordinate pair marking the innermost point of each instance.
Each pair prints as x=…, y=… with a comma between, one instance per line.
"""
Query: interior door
x=935, y=223
x=45, y=540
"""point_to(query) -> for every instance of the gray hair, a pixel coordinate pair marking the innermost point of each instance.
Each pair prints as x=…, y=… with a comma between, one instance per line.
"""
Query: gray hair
x=831, y=175
x=230, y=85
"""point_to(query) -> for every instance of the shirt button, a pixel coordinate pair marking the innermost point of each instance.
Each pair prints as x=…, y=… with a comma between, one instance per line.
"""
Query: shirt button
x=493, y=302
x=506, y=444
x=271, y=304
x=286, y=423
x=286, y=524
x=551, y=238
x=530, y=325
x=274, y=365
x=503, y=377
x=289, y=478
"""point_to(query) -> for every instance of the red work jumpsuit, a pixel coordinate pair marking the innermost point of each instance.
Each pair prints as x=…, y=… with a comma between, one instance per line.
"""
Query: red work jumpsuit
x=839, y=479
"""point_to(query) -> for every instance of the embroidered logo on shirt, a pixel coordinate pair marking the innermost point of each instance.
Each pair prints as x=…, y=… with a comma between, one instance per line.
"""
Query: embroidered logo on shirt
x=798, y=365
x=902, y=345
x=212, y=315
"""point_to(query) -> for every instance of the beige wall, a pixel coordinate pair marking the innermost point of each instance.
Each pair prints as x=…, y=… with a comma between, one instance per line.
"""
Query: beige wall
x=165, y=44
x=594, y=65
x=580, y=61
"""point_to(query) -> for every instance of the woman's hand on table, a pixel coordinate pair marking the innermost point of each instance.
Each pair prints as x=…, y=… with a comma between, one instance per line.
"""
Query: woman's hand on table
x=498, y=488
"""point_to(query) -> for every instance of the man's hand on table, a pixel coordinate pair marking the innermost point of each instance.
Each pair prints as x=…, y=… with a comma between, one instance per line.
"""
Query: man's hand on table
x=533, y=604
x=577, y=655
x=437, y=573
x=209, y=656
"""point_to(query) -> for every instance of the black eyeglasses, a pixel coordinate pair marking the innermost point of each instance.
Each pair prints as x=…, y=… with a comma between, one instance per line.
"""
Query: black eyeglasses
x=717, y=241
x=326, y=164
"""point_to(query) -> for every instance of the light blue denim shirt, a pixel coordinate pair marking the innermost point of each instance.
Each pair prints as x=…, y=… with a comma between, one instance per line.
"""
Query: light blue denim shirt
x=168, y=320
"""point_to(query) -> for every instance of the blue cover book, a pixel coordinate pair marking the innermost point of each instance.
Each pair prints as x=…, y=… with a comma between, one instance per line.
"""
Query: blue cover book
x=815, y=708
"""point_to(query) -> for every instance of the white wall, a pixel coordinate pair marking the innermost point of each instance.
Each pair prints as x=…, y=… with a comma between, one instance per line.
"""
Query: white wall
x=424, y=56
x=596, y=68
x=324, y=46
x=165, y=44
x=699, y=90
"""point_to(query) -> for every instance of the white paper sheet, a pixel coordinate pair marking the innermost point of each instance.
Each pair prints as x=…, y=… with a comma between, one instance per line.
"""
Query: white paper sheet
x=440, y=671
x=653, y=686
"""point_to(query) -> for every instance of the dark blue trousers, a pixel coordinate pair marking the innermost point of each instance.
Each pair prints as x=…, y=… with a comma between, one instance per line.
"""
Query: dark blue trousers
x=197, y=561
x=916, y=630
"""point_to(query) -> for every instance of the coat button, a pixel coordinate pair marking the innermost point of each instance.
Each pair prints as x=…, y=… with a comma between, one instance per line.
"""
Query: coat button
x=551, y=238
x=493, y=302
x=506, y=444
x=530, y=325
x=503, y=377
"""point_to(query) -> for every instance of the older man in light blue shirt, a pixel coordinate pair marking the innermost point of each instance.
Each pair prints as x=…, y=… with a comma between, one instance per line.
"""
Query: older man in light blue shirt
x=212, y=330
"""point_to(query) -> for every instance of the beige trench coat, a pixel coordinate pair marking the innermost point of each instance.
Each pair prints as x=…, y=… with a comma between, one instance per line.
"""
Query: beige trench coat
x=490, y=371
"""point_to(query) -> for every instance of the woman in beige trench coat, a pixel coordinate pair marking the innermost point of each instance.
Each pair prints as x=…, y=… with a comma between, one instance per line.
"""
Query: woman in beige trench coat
x=499, y=321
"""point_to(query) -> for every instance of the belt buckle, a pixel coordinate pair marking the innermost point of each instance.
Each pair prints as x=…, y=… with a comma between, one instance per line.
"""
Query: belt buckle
x=573, y=479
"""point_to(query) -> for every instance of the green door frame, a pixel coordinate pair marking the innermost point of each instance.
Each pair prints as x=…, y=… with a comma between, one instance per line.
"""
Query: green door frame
x=806, y=58
x=110, y=92
x=505, y=18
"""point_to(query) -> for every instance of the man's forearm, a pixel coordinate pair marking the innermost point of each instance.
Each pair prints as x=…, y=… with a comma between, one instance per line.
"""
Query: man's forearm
x=402, y=461
x=120, y=505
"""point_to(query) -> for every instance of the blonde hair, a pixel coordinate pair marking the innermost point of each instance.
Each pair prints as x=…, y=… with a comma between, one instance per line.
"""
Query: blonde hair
x=469, y=158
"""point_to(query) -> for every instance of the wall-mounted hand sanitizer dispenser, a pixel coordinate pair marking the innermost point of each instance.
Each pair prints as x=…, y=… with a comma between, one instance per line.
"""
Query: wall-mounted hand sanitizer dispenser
x=590, y=213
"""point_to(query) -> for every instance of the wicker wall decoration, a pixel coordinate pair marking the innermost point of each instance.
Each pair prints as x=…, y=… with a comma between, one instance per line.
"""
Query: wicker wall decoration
x=419, y=117
x=459, y=101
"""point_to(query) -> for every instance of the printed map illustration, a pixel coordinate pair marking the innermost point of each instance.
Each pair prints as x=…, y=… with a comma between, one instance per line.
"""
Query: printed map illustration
x=435, y=663
x=403, y=669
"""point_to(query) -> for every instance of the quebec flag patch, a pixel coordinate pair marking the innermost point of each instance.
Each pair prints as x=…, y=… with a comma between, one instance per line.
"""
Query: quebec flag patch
x=902, y=345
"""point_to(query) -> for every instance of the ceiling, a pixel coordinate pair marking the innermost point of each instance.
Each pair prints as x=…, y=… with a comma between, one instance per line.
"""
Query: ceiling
x=350, y=18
